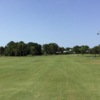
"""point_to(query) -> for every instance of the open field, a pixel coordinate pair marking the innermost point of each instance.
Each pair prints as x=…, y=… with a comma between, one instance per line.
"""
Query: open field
x=57, y=77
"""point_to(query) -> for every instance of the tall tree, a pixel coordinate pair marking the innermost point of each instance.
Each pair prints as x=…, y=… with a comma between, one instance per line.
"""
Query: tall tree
x=2, y=49
x=95, y=50
x=76, y=49
x=82, y=50
x=68, y=48
x=37, y=47
x=33, y=50
x=53, y=48
x=59, y=50
x=86, y=48
x=99, y=49
x=10, y=48
x=45, y=48
x=62, y=49
x=21, y=47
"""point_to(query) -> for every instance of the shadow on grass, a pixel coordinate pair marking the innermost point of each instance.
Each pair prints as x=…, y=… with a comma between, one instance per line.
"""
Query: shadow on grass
x=92, y=56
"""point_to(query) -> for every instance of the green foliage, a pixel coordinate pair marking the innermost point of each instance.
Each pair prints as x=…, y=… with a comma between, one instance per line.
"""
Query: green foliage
x=68, y=48
x=59, y=49
x=50, y=48
x=98, y=49
x=53, y=48
x=95, y=50
x=23, y=49
x=62, y=49
x=2, y=49
x=83, y=49
x=45, y=48
x=37, y=47
x=11, y=48
x=33, y=50
x=76, y=49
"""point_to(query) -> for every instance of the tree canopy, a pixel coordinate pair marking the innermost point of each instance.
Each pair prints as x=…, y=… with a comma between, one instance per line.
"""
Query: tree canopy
x=31, y=48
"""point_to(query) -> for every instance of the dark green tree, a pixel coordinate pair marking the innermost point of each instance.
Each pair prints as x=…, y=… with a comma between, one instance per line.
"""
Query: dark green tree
x=68, y=48
x=76, y=49
x=95, y=50
x=9, y=50
x=33, y=50
x=2, y=49
x=82, y=50
x=62, y=49
x=21, y=47
x=53, y=48
x=99, y=49
x=45, y=48
x=37, y=47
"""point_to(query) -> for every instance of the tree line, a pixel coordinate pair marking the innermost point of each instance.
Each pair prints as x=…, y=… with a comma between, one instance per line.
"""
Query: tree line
x=23, y=49
x=20, y=49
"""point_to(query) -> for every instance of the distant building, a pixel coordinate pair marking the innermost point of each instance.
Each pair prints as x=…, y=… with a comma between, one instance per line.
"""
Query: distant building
x=87, y=51
x=66, y=52
x=70, y=49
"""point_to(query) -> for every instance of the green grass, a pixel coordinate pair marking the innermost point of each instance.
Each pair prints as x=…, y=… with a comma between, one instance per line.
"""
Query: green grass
x=60, y=77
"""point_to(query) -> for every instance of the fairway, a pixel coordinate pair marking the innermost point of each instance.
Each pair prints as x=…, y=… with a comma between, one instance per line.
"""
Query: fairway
x=56, y=77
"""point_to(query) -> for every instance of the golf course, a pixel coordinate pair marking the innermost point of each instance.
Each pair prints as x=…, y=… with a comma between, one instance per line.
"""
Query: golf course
x=52, y=77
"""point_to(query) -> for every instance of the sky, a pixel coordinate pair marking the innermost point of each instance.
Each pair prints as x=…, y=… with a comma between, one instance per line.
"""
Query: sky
x=65, y=22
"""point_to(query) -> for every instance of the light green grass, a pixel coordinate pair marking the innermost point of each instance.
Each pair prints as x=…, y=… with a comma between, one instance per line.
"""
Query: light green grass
x=60, y=77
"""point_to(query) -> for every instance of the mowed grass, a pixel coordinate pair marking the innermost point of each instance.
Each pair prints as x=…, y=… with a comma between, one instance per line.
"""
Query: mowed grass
x=57, y=77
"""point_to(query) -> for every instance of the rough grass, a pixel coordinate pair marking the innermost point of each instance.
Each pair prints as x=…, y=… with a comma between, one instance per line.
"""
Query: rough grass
x=60, y=77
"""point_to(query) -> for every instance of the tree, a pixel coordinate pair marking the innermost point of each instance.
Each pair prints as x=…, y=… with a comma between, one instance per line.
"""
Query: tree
x=95, y=50
x=21, y=47
x=76, y=49
x=90, y=51
x=45, y=48
x=37, y=47
x=15, y=49
x=62, y=49
x=10, y=48
x=68, y=48
x=2, y=49
x=33, y=50
x=82, y=50
x=59, y=50
x=99, y=49
x=48, y=49
x=53, y=48
x=86, y=48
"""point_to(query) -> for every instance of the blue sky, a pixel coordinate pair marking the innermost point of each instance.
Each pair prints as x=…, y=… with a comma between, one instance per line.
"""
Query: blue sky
x=65, y=22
